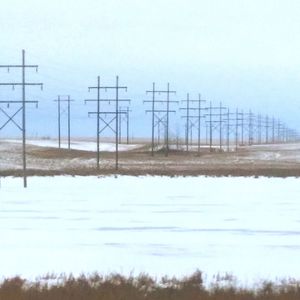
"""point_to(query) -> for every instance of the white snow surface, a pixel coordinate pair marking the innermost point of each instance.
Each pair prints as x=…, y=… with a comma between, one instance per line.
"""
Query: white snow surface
x=245, y=226
x=76, y=145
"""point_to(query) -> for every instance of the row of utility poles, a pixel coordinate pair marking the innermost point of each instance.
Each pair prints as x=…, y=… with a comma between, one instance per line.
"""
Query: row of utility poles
x=110, y=113
x=117, y=115
x=229, y=125
x=61, y=111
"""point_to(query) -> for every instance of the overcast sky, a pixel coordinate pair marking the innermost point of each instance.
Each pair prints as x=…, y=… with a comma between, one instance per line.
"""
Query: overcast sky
x=244, y=53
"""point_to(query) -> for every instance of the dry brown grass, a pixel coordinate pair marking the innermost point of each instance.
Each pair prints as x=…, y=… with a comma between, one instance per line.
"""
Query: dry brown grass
x=142, y=287
x=246, y=162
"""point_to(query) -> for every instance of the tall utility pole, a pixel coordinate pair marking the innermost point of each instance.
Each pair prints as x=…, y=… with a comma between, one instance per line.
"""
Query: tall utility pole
x=98, y=118
x=250, y=127
x=236, y=129
x=242, y=127
x=237, y=122
x=59, y=100
x=221, y=108
x=283, y=133
x=197, y=117
x=153, y=116
x=210, y=126
x=113, y=113
x=23, y=103
x=187, y=122
x=233, y=122
x=273, y=130
x=192, y=125
x=127, y=114
x=239, y=119
x=200, y=116
x=228, y=125
x=278, y=130
x=124, y=116
x=259, y=125
x=157, y=112
x=267, y=126
x=212, y=121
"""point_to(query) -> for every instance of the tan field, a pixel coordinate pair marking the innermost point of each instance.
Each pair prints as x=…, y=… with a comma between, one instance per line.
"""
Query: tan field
x=44, y=158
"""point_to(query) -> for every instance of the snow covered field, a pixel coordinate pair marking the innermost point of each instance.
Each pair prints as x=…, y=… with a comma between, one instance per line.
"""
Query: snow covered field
x=159, y=225
x=75, y=145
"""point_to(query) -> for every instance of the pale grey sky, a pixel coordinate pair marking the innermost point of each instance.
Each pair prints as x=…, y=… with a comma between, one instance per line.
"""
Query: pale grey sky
x=241, y=52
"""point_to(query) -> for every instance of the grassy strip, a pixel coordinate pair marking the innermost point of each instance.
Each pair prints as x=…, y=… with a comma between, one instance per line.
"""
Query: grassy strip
x=118, y=287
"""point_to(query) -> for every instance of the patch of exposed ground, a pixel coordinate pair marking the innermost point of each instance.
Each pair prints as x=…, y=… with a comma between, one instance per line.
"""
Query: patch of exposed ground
x=262, y=160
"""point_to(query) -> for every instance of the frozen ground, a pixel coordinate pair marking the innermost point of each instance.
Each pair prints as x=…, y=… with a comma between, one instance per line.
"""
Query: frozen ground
x=44, y=158
x=159, y=225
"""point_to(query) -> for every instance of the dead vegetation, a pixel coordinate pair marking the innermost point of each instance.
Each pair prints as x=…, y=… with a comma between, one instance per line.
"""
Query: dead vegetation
x=117, y=287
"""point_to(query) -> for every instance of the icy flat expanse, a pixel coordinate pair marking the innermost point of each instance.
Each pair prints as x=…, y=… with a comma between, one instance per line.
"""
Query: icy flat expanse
x=76, y=145
x=159, y=225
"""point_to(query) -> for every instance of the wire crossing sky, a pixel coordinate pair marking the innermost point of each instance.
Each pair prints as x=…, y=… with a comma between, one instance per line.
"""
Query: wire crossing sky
x=243, y=53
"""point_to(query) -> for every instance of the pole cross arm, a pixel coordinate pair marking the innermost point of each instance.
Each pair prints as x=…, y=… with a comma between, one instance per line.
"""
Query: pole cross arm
x=107, y=113
x=216, y=115
x=199, y=100
x=107, y=87
x=161, y=111
x=125, y=111
x=160, y=92
x=18, y=101
x=64, y=100
x=217, y=107
x=106, y=100
x=155, y=100
x=162, y=101
x=190, y=100
x=18, y=83
x=202, y=117
x=190, y=108
x=18, y=66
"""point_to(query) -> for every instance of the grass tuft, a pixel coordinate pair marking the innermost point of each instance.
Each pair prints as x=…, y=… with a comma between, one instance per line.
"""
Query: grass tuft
x=142, y=287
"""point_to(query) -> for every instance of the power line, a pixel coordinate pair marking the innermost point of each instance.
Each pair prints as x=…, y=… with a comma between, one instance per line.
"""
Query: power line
x=220, y=121
x=157, y=112
x=236, y=124
x=190, y=117
x=22, y=109
x=112, y=114
x=124, y=116
x=59, y=100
